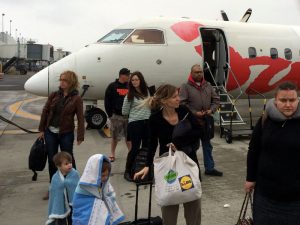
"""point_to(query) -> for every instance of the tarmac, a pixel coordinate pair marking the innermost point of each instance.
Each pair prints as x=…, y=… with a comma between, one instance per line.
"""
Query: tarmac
x=21, y=199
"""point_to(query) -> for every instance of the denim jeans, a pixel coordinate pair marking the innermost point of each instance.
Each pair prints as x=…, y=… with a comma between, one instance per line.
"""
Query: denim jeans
x=209, y=163
x=138, y=132
x=53, y=141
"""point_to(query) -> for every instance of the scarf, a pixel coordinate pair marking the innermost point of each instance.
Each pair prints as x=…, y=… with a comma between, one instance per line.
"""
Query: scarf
x=276, y=115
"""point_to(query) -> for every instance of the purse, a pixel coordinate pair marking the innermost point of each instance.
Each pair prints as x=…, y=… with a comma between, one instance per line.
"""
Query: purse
x=243, y=220
x=183, y=136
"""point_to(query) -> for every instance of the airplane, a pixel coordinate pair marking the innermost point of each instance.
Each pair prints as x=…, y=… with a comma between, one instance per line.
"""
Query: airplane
x=246, y=58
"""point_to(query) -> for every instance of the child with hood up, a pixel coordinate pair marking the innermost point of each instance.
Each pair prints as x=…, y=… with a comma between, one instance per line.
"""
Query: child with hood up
x=94, y=201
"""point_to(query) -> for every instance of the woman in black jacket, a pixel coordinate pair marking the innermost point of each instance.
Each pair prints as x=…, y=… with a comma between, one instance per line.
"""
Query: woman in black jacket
x=273, y=163
x=167, y=114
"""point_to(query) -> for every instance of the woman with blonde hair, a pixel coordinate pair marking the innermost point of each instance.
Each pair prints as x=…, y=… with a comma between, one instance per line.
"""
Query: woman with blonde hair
x=57, y=120
x=166, y=114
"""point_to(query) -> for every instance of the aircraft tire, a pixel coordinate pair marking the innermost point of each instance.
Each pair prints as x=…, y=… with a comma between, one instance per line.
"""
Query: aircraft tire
x=95, y=118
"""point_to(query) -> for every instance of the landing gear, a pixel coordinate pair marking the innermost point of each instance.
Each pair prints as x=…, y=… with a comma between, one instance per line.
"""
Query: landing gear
x=95, y=118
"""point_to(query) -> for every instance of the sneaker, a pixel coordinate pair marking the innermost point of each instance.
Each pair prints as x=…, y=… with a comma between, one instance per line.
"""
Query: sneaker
x=214, y=172
x=128, y=177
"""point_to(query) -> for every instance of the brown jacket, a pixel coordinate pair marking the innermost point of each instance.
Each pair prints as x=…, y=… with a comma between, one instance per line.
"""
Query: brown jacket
x=73, y=105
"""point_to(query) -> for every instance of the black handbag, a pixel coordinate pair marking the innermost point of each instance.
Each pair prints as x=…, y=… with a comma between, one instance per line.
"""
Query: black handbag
x=184, y=137
x=243, y=220
x=37, y=157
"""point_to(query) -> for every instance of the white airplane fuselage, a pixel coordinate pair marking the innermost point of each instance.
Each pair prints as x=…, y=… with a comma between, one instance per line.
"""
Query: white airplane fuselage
x=186, y=42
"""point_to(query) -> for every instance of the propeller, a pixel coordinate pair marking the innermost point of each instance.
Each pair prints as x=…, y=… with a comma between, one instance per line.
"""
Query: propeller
x=244, y=19
x=224, y=15
x=246, y=16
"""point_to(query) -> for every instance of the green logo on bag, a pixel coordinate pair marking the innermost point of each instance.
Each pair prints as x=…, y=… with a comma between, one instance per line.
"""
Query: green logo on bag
x=171, y=176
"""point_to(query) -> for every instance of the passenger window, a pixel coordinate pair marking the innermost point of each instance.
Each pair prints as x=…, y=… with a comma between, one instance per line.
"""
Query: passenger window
x=274, y=53
x=115, y=36
x=252, y=52
x=149, y=36
x=288, y=53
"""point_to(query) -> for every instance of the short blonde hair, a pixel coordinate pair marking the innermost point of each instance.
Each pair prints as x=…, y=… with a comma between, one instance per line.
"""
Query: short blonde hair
x=71, y=78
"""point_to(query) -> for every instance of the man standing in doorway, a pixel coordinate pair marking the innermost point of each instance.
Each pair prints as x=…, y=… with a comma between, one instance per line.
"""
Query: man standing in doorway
x=113, y=102
x=200, y=97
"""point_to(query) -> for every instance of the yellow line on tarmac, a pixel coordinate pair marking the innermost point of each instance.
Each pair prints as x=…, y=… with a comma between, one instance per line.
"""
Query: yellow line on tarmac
x=16, y=108
x=17, y=131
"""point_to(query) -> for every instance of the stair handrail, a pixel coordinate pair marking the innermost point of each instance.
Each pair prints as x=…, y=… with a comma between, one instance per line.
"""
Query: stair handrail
x=227, y=66
x=264, y=97
x=208, y=68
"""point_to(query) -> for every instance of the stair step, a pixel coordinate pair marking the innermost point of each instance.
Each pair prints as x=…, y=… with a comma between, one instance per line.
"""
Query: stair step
x=227, y=116
x=226, y=106
x=224, y=97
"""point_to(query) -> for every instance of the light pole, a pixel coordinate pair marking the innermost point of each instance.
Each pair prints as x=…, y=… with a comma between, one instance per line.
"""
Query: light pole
x=16, y=33
x=3, y=22
x=10, y=27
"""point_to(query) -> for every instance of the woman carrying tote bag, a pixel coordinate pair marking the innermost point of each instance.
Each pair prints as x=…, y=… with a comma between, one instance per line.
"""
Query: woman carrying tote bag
x=166, y=115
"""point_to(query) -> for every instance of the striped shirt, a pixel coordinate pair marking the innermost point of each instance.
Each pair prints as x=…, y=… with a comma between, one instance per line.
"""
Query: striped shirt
x=134, y=110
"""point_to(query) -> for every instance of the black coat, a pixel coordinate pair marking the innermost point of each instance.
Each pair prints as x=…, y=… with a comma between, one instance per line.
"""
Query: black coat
x=274, y=159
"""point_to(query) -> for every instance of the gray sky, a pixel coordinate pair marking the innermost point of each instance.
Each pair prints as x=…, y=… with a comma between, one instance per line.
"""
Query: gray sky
x=71, y=24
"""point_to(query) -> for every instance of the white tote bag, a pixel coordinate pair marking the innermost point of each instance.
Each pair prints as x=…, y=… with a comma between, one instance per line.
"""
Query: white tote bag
x=176, y=179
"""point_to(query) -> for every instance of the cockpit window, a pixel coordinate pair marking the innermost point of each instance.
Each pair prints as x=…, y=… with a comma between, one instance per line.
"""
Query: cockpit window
x=146, y=36
x=115, y=36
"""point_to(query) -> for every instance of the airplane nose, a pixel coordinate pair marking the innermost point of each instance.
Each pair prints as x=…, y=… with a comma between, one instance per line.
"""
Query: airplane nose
x=38, y=83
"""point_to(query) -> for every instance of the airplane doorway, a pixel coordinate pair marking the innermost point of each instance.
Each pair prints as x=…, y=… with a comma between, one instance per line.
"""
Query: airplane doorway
x=215, y=53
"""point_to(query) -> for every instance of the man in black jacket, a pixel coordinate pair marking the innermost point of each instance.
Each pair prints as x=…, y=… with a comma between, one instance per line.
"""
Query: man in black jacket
x=114, y=96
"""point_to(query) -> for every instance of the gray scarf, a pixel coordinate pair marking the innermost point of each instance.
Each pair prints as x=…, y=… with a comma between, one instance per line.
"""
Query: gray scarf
x=274, y=113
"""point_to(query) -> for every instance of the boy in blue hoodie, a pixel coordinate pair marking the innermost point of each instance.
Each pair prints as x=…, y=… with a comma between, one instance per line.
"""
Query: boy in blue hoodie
x=61, y=190
x=94, y=201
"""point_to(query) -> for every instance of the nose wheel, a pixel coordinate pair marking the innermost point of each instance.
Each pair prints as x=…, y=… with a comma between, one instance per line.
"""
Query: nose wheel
x=95, y=118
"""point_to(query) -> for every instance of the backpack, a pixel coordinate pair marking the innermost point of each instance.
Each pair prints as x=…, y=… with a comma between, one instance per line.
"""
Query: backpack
x=37, y=157
x=139, y=163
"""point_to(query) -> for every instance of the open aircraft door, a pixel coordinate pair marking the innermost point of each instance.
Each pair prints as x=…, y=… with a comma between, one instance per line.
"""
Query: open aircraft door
x=215, y=55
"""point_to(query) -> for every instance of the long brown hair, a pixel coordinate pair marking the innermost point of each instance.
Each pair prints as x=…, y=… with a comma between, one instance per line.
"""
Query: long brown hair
x=132, y=92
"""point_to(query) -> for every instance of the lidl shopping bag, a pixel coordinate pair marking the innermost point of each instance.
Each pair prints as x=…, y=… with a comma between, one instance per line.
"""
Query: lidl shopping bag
x=176, y=179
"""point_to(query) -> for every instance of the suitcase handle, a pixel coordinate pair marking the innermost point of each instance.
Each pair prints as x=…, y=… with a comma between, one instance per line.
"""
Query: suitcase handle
x=137, y=198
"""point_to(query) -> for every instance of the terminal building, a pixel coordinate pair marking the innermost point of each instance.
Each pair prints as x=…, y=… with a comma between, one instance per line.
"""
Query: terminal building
x=26, y=55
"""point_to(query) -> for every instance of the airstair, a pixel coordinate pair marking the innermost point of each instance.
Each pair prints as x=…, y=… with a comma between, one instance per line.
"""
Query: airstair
x=228, y=117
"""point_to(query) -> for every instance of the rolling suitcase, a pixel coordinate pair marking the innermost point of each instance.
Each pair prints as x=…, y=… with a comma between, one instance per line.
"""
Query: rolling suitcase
x=150, y=220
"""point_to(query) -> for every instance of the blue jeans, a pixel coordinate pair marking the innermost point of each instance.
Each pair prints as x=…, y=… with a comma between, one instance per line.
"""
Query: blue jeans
x=53, y=141
x=209, y=163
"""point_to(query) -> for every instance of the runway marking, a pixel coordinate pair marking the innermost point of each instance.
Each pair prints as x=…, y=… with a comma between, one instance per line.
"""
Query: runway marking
x=16, y=109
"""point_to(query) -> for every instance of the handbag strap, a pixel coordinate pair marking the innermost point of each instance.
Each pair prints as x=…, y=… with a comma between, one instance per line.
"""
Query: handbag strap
x=245, y=206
